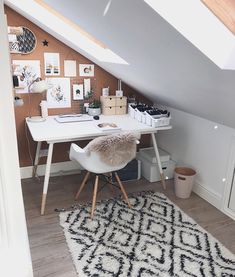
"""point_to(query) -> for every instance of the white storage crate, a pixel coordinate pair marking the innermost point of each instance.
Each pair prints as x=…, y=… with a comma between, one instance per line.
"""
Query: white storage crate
x=157, y=122
x=160, y=122
x=150, y=171
x=149, y=154
x=140, y=116
x=131, y=111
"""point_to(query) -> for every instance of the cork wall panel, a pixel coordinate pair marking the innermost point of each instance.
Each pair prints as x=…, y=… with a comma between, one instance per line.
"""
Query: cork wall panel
x=101, y=79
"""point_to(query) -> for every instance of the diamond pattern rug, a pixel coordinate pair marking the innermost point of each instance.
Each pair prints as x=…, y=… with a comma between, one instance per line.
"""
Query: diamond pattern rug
x=155, y=238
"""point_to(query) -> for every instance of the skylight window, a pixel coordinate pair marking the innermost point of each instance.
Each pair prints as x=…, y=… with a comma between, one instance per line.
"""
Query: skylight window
x=47, y=17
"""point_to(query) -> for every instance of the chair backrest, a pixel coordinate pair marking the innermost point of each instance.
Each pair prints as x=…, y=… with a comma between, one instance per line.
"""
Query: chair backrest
x=116, y=149
x=107, y=153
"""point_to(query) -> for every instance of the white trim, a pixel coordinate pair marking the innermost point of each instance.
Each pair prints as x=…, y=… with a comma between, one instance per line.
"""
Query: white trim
x=4, y=240
x=212, y=197
x=229, y=179
x=57, y=169
x=14, y=251
x=229, y=212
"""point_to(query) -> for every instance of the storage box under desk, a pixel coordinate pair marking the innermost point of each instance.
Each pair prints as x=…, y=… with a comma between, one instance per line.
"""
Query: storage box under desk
x=150, y=171
x=132, y=171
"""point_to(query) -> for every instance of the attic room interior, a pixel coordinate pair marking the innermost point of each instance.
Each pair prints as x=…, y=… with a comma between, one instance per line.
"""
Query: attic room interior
x=117, y=138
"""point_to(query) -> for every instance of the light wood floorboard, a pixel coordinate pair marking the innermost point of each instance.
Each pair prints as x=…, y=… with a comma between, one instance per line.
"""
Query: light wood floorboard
x=50, y=254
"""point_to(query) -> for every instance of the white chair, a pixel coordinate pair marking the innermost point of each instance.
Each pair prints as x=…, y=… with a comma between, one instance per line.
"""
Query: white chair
x=105, y=155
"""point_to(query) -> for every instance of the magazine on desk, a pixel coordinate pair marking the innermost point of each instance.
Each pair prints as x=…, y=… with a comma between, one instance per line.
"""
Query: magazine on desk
x=108, y=126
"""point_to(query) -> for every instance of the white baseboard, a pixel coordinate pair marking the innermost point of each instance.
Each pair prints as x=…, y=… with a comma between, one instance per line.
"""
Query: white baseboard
x=208, y=195
x=62, y=168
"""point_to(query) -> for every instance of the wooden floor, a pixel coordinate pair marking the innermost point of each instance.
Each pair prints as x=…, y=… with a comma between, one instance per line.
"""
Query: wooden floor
x=49, y=251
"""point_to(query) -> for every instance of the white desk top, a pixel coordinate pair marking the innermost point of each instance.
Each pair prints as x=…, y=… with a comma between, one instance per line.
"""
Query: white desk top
x=53, y=131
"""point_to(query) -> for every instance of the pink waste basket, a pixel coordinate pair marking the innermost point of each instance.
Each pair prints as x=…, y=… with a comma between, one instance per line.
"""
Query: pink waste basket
x=184, y=179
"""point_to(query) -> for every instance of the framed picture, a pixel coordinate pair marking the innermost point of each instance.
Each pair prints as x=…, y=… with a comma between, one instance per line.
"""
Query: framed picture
x=78, y=90
x=86, y=70
x=58, y=93
x=52, y=64
x=26, y=71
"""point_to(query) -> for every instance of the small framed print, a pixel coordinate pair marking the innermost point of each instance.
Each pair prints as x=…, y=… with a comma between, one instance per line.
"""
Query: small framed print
x=86, y=70
x=78, y=92
x=52, y=64
x=58, y=93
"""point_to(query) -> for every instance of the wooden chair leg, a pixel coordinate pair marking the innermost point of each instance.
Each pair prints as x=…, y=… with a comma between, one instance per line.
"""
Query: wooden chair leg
x=123, y=190
x=82, y=184
x=94, y=196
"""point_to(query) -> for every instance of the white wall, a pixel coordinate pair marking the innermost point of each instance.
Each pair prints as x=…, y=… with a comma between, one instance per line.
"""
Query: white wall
x=195, y=142
x=15, y=257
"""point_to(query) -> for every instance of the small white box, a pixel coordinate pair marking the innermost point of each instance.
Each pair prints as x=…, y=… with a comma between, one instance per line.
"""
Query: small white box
x=159, y=122
x=149, y=154
x=119, y=93
x=150, y=171
x=105, y=91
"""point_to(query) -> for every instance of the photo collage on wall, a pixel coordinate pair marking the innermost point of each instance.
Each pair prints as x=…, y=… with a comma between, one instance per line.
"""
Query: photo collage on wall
x=58, y=94
x=25, y=72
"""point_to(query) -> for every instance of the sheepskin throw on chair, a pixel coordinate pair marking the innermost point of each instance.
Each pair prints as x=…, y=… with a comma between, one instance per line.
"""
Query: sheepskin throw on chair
x=123, y=148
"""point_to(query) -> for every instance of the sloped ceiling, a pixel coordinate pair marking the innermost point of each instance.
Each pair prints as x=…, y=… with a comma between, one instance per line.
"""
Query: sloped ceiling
x=163, y=65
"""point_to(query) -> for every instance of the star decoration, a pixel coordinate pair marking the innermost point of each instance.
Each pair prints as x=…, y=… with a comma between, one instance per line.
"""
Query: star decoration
x=45, y=42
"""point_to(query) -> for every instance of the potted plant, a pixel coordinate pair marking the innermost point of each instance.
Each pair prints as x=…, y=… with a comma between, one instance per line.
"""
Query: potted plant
x=94, y=107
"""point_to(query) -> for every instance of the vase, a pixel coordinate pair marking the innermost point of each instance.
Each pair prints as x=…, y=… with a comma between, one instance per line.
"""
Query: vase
x=94, y=111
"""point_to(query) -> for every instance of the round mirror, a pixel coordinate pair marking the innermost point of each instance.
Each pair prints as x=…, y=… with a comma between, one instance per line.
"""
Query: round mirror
x=27, y=41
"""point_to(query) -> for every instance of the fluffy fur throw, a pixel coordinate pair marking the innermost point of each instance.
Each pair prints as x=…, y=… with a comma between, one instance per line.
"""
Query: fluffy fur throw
x=115, y=150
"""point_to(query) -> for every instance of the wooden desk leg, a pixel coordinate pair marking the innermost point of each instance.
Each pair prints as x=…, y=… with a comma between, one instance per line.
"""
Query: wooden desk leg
x=46, y=179
x=35, y=166
x=158, y=160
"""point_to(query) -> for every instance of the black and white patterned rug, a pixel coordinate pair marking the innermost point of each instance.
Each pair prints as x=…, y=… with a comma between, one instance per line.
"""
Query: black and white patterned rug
x=155, y=238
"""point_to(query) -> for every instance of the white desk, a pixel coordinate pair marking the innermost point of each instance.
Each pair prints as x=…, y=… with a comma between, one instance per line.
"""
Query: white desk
x=53, y=132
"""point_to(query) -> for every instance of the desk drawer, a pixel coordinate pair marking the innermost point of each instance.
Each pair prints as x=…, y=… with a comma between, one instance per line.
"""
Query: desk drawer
x=108, y=110
x=121, y=101
x=108, y=101
x=121, y=110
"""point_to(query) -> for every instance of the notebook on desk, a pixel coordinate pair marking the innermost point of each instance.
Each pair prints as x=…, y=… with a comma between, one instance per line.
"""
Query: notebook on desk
x=67, y=118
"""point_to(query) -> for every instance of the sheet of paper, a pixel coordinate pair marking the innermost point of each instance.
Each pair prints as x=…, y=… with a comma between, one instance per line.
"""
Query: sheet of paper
x=87, y=87
x=70, y=68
